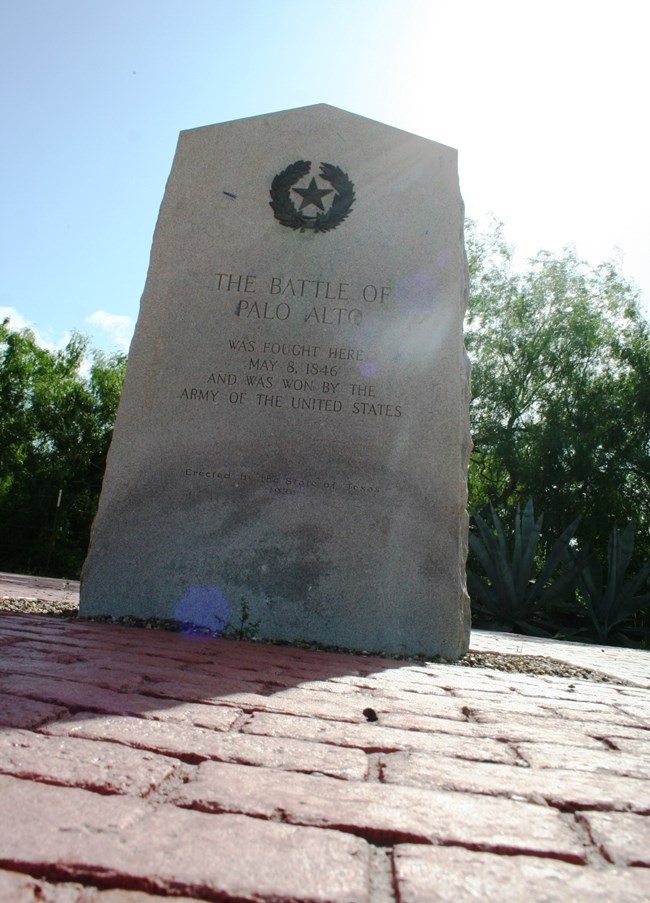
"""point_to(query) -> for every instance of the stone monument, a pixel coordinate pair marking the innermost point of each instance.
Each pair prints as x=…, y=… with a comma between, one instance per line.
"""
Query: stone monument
x=293, y=435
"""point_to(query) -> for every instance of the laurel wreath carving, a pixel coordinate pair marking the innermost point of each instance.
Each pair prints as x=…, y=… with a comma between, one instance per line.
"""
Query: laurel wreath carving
x=285, y=210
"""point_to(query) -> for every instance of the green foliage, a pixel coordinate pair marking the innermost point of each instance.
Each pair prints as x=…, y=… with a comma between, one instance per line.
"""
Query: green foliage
x=611, y=605
x=561, y=385
x=55, y=429
x=518, y=584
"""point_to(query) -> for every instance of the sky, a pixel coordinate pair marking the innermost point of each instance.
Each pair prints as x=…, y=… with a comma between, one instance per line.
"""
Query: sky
x=546, y=102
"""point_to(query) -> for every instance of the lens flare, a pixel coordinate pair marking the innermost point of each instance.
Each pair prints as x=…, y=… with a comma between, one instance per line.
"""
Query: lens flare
x=202, y=611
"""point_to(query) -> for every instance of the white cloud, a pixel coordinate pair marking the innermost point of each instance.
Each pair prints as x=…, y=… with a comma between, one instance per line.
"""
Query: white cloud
x=118, y=326
x=18, y=322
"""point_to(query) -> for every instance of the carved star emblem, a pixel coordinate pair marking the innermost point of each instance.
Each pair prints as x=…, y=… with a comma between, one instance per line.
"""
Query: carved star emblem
x=312, y=194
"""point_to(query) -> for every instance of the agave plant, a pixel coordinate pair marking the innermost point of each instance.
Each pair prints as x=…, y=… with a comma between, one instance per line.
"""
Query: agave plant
x=611, y=605
x=512, y=593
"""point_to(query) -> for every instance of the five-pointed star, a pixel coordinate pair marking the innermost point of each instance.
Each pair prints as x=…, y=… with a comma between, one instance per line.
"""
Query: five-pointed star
x=312, y=194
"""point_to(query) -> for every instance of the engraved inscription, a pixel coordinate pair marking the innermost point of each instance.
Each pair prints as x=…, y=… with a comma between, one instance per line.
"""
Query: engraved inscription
x=284, y=290
x=306, y=377
x=299, y=377
x=277, y=483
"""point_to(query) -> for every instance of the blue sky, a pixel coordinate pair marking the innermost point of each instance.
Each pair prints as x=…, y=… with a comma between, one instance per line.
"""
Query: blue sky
x=547, y=104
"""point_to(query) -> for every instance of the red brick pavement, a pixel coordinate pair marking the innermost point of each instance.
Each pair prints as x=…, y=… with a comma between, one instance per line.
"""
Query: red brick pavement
x=138, y=765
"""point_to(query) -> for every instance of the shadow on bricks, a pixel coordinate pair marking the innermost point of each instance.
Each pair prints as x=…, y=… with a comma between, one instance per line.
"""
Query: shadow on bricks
x=54, y=669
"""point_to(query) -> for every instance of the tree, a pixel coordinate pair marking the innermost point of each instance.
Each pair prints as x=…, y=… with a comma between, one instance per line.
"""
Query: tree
x=561, y=385
x=55, y=428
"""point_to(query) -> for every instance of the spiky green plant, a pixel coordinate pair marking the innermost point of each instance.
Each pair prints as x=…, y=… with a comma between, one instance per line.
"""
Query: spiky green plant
x=613, y=604
x=514, y=590
x=247, y=629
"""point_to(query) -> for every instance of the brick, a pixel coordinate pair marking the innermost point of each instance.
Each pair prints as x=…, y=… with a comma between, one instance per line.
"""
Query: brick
x=488, y=686
x=94, y=895
x=549, y=707
x=17, y=711
x=97, y=895
x=624, y=838
x=156, y=668
x=312, y=664
x=635, y=694
x=165, y=850
x=451, y=874
x=373, y=737
x=455, y=723
x=308, y=704
x=243, y=660
x=505, y=712
x=559, y=787
x=318, y=700
x=196, y=744
x=6, y=641
x=594, y=708
x=85, y=672
x=132, y=646
x=87, y=697
x=634, y=746
x=85, y=647
x=105, y=767
x=519, y=729
x=124, y=672
x=537, y=687
x=78, y=695
x=634, y=710
x=17, y=888
x=550, y=755
x=58, y=651
x=638, y=692
x=197, y=686
x=30, y=626
x=444, y=707
x=416, y=704
x=213, y=717
x=583, y=733
x=590, y=710
x=74, y=694
x=295, y=701
x=545, y=688
x=598, y=691
x=389, y=682
x=382, y=813
x=369, y=688
x=500, y=709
